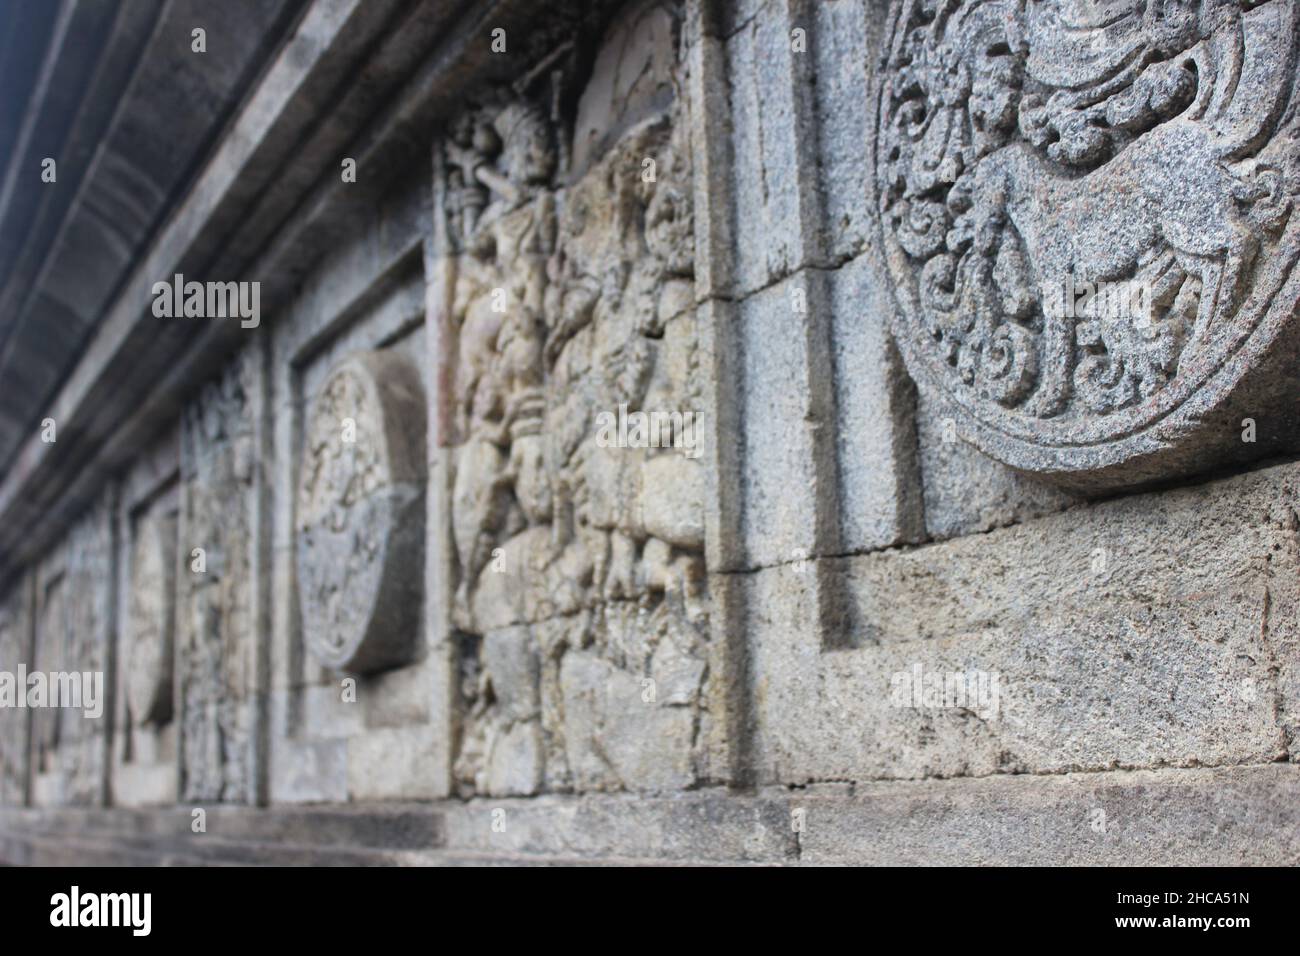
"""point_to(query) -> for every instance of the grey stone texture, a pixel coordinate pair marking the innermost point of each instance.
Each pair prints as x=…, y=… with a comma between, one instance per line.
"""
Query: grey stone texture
x=1018, y=158
x=360, y=505
x=667, y=448
x=146, y=739
x=1210, y=817
x=1148, y=631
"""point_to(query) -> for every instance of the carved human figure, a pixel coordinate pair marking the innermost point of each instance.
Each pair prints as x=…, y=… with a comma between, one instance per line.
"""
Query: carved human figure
x=216, y=694
x=573, y=293
x=500, y=291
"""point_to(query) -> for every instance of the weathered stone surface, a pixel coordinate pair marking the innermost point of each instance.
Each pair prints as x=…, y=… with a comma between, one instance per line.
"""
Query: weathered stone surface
x=775, y=207
x=616, y=737
x=1014, y=155
x=361, y=515
x=1207, y=817
x=364, y=306
x=216, y=637
x=965, y=491
x=1144, y=632
x=571, y=311
x=152, y=621
x=838, y=39
x=784, y=423
x=1232, y=817
x=74, y=619
x=309, y=771
x=862, y=605
x=631, y=79
x=392, y=763
x=510, y=660
x=876, y=431
x=15, y=649
x=146, y=731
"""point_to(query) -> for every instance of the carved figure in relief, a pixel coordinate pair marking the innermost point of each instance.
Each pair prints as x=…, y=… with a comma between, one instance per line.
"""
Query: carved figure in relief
x=216, y=690
x=500, y=485
x=579, y=566
x=72, y=635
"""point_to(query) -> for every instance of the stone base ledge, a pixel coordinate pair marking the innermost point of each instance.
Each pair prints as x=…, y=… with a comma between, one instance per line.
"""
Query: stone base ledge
x=1226, y=816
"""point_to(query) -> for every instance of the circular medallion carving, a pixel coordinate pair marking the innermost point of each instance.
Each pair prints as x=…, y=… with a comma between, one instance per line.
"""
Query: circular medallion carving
x=360, y=518
x=1087, y=212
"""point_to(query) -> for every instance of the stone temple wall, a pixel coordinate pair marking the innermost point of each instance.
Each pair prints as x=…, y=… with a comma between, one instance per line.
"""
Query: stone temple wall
x=925, y=563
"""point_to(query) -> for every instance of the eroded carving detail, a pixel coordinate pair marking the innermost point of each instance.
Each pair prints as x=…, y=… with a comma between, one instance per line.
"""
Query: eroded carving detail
x=1021, y=146
x=216, y=639
x=581, y=589
x=15, y=649
x=361, y=515
x=69, y=747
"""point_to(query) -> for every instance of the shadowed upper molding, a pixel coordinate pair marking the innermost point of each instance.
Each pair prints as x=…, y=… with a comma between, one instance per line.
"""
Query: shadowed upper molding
x=365, y=79
x=113, y=92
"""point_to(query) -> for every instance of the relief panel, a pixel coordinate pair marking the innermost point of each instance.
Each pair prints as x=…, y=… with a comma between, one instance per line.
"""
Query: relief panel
x=360, y=513
x=580, y=595
x=146, y=753
x=73, y=626
x=216, y=637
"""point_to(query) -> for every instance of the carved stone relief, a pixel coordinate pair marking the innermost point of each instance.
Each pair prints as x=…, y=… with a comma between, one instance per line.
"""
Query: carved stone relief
x=216, y=639
x=72, y=622
x=15, y=649
x=51, y=651
x=581, y=594
x=1029, y=152
x=360, y=546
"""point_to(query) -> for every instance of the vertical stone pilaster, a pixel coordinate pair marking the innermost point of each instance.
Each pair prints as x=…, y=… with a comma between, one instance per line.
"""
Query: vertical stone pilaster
x=439, y=563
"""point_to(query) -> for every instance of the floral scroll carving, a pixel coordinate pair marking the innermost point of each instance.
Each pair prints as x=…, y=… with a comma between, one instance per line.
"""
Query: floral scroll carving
x=1025, y=147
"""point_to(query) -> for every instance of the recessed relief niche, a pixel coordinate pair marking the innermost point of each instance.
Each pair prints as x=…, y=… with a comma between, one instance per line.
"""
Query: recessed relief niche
x=151, y=640
x=360, y=518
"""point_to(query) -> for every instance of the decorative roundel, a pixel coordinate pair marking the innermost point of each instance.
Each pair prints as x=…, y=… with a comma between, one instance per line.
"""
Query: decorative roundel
x=1086, y=210
x=360, y=515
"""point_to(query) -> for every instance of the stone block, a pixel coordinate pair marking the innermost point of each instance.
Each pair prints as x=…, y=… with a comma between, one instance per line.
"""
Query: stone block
x=1135, y=633
x=616, y=739
x=1229, y=817
x=965, y=491
x=875, y=429
x=394, y=763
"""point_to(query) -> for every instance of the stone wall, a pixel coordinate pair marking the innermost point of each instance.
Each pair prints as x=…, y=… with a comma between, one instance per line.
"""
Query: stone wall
x=909, y=564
